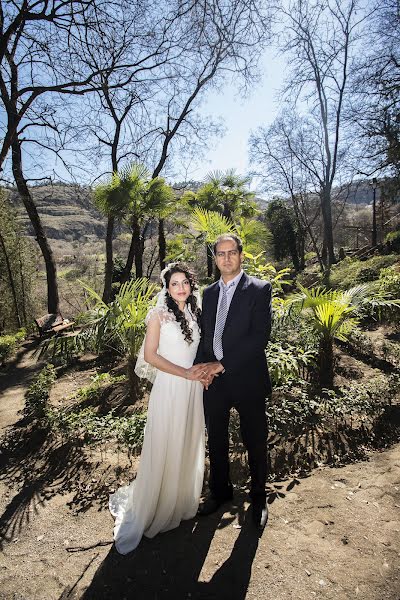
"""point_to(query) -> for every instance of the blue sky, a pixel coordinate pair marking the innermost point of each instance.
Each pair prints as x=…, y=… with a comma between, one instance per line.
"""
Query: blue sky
x=241, y=116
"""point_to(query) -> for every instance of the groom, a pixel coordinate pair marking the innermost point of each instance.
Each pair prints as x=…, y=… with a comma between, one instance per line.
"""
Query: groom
x=236, y=323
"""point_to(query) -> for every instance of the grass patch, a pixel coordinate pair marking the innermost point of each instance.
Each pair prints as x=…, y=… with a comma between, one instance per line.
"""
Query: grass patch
x=8, y=344
x=352, y=271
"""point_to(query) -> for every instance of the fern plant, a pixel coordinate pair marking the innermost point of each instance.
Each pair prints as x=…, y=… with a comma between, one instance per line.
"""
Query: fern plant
x=118, y=327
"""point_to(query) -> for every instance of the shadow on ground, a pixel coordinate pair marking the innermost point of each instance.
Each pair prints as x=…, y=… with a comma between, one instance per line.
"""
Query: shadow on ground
x=40, y=467
x=20, y=370
x=170, y=565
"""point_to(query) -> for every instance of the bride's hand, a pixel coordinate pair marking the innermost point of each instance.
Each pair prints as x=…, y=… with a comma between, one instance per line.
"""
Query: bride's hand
x=196, y=373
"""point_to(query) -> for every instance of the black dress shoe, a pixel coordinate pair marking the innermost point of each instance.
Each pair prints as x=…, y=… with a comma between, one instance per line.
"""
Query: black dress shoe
x=210, y=505
x=260, y=514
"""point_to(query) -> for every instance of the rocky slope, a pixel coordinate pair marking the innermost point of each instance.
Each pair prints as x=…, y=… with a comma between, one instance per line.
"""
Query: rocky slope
x=67, y=212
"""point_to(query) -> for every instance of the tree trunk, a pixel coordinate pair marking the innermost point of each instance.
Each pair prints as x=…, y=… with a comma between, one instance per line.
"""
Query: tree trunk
x=328, y=229
x=135, y=253
x=293, y=252
x=162, y=245
x=301, y=248
x=210, y=261
x=325, y=363
x=133, y=379
x=53, y=303
x=108, y=271
x=109, y=261
x=11, y=279
x=129, y=262
x=139, y=250
x=226, y=211
x=374, y=240
x=23, y=292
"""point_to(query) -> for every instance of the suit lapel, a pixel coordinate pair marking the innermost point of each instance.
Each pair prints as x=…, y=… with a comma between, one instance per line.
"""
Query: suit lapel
x=234, y=306
x=213, y=300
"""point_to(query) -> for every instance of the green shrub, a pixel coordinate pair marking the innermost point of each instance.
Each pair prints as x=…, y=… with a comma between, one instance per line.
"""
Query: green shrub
x=287, y=362
x=8, y=344
x=293, y=407
x=392, y=241
x=389, y=283
x=7, y=347
x=351, y=271
x=85, y=426
x=92, y=391
x=311, y=276
x=360, y=341
x=367, y=274
x=391, y=352
x=256, y=266
x=37, y=396
x=389, y=280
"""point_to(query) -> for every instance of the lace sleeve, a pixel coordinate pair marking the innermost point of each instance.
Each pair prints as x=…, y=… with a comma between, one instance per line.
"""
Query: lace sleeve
x=161, y=313
x=142, y=368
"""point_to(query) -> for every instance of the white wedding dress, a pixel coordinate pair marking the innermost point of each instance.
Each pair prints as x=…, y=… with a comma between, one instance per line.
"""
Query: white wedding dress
x=170, y=476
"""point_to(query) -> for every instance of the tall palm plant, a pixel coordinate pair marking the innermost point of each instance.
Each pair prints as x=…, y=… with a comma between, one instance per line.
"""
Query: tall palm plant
x=334, y=314
x=113, y=203
x=148, y=199
x=210, y=224
x=226, y=193
x=230, y=193
x=131, y=194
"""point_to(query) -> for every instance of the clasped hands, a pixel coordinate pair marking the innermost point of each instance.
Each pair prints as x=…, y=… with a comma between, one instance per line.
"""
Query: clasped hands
x=205, y=372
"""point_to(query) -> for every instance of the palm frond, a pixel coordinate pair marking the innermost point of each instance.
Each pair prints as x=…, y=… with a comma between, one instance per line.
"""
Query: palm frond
x=253, y=233
x=118, y=326
x=93, y=294
x=211, y=224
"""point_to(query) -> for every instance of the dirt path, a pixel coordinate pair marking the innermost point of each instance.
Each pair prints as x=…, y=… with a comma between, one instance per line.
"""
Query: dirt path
x=333, y=535
x=14, y=380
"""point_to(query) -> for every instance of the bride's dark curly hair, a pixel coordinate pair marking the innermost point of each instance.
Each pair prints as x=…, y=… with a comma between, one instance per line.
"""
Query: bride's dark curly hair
x=191, y=300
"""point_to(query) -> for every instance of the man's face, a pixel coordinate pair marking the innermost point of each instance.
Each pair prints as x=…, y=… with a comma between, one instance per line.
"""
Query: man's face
x=228, y=259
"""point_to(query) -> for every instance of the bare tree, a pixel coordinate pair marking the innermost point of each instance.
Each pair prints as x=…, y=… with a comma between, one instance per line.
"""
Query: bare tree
x=281, y=153
x=376, y=107
x=113, y=114
x=152, y=113
x=225, y=38
x=39, y=60
x=318, y=38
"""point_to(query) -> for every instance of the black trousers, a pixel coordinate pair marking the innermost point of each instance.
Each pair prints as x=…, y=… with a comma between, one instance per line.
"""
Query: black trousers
x=223, y=395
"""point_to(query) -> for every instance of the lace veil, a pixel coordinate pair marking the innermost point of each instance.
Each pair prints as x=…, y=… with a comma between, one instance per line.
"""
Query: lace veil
x=142, y=368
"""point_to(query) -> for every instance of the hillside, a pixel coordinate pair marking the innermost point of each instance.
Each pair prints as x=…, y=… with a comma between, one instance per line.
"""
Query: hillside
x=66, y=211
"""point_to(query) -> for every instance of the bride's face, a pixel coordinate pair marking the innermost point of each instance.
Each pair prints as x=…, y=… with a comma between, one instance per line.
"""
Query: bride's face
x=179, y=288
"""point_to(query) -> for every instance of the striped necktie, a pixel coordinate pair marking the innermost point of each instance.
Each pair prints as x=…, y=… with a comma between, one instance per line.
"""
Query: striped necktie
x=220, y=323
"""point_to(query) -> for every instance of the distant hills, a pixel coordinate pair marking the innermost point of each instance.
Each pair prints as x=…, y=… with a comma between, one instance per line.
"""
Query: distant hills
x=69, y=215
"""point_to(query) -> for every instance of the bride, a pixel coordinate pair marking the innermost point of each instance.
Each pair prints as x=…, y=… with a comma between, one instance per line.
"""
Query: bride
x=169, y=481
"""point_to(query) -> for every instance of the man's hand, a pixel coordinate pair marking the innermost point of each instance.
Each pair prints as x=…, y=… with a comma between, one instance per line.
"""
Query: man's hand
x=211, y=370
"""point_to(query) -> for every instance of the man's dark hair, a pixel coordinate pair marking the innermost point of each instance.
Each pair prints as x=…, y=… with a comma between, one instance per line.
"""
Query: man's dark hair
x=229, y=236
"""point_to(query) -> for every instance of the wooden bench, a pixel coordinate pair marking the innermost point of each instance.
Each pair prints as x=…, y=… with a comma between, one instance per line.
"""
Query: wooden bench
x=52, y=323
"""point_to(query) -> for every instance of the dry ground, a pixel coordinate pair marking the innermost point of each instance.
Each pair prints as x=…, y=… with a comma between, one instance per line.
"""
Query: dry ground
x=334, y=534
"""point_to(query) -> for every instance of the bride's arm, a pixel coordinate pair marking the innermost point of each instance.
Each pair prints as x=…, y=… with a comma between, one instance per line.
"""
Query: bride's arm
x=150, y=354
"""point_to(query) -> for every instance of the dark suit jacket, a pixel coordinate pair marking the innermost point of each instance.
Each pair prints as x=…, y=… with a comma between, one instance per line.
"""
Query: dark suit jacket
x=246, y=333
